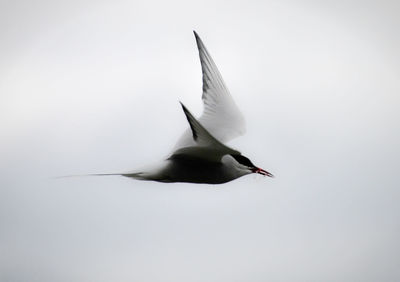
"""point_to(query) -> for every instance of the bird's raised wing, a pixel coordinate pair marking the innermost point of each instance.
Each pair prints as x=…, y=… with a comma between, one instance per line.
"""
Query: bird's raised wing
x=221, y=117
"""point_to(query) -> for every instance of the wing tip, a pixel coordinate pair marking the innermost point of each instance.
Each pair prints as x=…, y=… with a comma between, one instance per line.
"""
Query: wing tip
x=183, y=107
x=190, y=119
x=198, y=39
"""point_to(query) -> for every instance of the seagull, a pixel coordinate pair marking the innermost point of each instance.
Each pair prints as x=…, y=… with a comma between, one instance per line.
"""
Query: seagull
x=200, y=155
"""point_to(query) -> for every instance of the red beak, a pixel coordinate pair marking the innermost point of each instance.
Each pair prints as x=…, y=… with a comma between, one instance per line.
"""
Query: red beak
x=262, y=172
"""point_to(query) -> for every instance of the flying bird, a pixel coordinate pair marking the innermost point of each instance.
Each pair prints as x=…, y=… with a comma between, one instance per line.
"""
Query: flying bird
x=200, y=155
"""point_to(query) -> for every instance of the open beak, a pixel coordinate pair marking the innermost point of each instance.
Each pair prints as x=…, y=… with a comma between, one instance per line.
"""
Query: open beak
x=262, y=172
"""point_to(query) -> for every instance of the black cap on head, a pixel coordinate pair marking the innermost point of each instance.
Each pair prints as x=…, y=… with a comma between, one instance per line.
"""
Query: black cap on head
x=243, y=160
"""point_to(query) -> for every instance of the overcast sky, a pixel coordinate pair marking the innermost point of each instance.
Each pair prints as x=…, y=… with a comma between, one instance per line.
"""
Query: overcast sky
x=93, y=86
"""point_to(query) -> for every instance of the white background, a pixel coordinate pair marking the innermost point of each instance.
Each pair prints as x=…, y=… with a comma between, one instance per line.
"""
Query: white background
x=93, y=86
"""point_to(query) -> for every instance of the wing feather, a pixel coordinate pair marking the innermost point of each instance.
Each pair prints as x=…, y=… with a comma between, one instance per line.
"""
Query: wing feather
x=221, y=116
x=203, y=138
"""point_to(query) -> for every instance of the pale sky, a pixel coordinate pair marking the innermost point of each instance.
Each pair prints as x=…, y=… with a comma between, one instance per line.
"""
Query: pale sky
x=93, y=86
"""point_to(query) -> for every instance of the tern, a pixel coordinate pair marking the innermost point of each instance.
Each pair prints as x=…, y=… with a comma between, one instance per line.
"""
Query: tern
x=200, y=155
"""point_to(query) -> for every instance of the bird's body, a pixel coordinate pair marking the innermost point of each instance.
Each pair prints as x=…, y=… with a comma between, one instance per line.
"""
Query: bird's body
x=188, y=168
x=200, y=155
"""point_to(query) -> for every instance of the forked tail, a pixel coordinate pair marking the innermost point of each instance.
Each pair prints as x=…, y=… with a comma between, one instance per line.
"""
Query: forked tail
x=136, y=175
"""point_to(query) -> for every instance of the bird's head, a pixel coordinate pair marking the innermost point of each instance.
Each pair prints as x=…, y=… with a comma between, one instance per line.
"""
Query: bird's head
x=244, y=165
